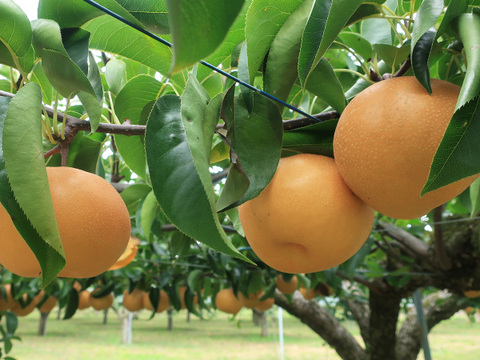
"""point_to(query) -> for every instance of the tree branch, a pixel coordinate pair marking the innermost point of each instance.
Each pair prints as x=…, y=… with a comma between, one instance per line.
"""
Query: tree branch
x=323, y=323
x=411, y=242
x=438, y=306
x=374, y=287
x=126, y=129
x=361, y=313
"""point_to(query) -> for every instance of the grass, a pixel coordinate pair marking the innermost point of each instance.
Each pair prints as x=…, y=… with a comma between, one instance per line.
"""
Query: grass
x=86, y=337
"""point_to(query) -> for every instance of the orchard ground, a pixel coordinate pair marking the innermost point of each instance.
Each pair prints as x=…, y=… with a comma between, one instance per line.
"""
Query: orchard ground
x=218, y=337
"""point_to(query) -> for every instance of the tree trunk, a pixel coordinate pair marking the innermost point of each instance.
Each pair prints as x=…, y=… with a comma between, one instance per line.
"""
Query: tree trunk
x=384, y=309
x=324, y=324
x=170, y=319
x=260, y=319
x=126, y=318
x=105, y=316
x=42, y=326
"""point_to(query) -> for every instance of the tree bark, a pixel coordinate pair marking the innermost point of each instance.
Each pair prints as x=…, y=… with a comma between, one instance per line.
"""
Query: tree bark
x=170, y=319
x=259, y=318
x=42, y=325
x=438, y=306
x=361, y=313
x=324, y=324
x=384, y=309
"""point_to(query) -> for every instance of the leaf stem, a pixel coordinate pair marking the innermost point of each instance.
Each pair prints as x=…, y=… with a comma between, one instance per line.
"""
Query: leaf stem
x=367, y=79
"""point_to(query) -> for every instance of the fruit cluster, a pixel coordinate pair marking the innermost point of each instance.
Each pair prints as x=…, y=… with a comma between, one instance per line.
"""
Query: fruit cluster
x=317, y=211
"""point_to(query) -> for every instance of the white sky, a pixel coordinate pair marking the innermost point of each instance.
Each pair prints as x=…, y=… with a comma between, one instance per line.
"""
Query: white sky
x=29, y=7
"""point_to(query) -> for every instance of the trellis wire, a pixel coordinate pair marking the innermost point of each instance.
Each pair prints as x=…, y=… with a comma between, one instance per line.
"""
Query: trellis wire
x=212, y=67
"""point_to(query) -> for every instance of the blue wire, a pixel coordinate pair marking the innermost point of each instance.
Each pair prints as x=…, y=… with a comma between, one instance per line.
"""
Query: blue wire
x=214, y=68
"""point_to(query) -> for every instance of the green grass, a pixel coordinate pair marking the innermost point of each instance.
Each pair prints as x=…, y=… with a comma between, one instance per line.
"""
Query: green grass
x=218, y=338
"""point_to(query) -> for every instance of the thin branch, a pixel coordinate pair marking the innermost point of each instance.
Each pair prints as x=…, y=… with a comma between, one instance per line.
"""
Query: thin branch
x=378, y=288
x=127, y=129
x=440, y=251
x=405, y=238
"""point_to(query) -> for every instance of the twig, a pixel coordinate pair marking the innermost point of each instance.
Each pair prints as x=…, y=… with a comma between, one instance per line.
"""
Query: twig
x=378, y=288
x=405, y=238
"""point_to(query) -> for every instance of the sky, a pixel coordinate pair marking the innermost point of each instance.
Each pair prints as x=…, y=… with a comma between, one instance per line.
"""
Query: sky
x=29, y=7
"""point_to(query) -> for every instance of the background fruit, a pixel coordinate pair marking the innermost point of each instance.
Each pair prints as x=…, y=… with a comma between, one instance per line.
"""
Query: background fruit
x=101, y=303
x=93, y=221
x=24, y=311
x=181, y=294
x=472, y=293
x=9, y=302
x=286, y=287
x=163, y=303
x=133, y=301
x=226, y=301
x=266, y=304
x=250, y=301
x=48, y=305
x=385, y=141
x=308, y=294
x=307, y=219
x=84, y=299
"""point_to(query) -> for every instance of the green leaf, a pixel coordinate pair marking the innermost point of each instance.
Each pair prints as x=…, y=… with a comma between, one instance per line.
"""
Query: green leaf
x=467, y=27
x=357, y=43
x=475, y=197
x=178, y=185
x=454, y=9
x=327, y=19
x=377, y=31
x=457, y=155
x=391, y=55
x=364, y=11
x=134, y=103
x=116, y=75
x=15, y=37
x=199, y=27
x=278, y=77
x=64, y=74
x=134, y=96
x=11, y=322
x=75, y=41
x=316, y=138
x=110, y=35
x=39, y=76
x=152, y=14
x=323, y=83
x=84, y=151
x=256, y=139
x=73, y=14
x=235, y=36
x=72, y=304
x=21, y=147
x=133, y=194
x=236, y=185
x=195, y=279
x=423, y=36
x=149, y=212
x=264, y=20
